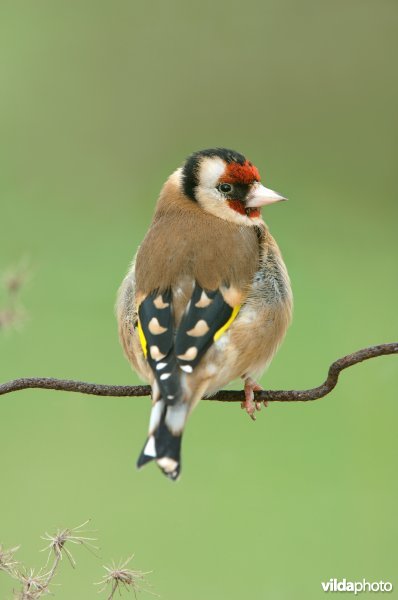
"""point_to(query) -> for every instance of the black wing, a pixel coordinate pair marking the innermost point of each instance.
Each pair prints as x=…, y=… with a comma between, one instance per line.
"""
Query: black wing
x=167, y=351
x=206, y=318
x=157, y=339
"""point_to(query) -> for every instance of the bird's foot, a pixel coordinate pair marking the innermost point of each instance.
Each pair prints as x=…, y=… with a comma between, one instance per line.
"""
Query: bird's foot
x=250, y=405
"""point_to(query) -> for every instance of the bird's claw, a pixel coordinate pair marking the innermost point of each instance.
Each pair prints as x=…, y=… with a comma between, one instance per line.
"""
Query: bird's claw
x=250, y=404
x=250, y=408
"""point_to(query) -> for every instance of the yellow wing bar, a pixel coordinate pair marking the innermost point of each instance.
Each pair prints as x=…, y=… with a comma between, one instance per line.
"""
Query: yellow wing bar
x=231, y=319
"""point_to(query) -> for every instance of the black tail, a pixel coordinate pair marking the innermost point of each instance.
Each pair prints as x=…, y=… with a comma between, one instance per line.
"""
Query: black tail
x=164, y=445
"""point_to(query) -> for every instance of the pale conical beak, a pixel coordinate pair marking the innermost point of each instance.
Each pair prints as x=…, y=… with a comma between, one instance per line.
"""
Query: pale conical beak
x=260, y=196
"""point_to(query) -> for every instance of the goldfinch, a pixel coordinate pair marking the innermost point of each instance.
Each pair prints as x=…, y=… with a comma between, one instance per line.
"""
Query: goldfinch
x=207, y=298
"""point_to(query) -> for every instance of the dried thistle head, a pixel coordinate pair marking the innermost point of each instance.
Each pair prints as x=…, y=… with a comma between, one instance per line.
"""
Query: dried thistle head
x=12, y=318
x=58, y=542
x=34, y=585
x=8, y=563
x=17, y=277
x=26, y=595
x=119, y=578
x=12, y=313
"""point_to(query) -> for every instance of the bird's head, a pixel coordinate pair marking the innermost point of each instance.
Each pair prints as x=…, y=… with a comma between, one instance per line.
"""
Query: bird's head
x=227, y=185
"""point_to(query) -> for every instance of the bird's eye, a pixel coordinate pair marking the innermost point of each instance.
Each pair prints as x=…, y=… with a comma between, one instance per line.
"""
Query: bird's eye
x=225, y=188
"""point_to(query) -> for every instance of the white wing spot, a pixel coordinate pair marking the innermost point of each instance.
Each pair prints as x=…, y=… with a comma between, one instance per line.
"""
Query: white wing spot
x=160, y=366
x=170, y=397
x=203, y=301
x=200, y=329
x=156, y=413
x=155, y=353
x=150, y=449
x=167, y=464
x=158, y=302
x=187, y=368
x=190, y=354
x=176, y=416
x=165, y=376
x=155, y=327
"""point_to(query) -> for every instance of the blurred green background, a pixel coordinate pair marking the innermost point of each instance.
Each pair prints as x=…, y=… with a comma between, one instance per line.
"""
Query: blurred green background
x=99, y=102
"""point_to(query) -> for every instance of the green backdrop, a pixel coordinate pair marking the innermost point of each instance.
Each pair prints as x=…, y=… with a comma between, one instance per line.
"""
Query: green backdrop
x=99, y=102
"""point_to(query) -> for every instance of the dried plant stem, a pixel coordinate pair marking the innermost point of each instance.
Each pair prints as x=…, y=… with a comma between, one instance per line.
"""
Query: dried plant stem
x=113, y=590
x=97, y=389
x=51, y=574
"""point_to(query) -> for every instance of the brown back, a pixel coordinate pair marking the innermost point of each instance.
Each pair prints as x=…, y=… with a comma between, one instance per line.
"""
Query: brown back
x=184, y=240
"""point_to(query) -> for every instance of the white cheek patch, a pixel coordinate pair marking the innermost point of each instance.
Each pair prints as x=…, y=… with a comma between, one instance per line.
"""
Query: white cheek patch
x=213, y=201
x=211, y=169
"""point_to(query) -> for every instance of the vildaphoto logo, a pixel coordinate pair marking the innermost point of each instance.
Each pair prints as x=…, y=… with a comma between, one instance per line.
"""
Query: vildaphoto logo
x=342, y=585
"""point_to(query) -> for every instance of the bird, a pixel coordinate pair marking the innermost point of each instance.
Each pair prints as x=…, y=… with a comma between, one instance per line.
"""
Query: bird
x=207, y=298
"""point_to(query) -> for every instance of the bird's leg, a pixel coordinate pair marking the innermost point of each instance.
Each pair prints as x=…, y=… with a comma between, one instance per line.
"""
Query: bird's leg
x=249, y=404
